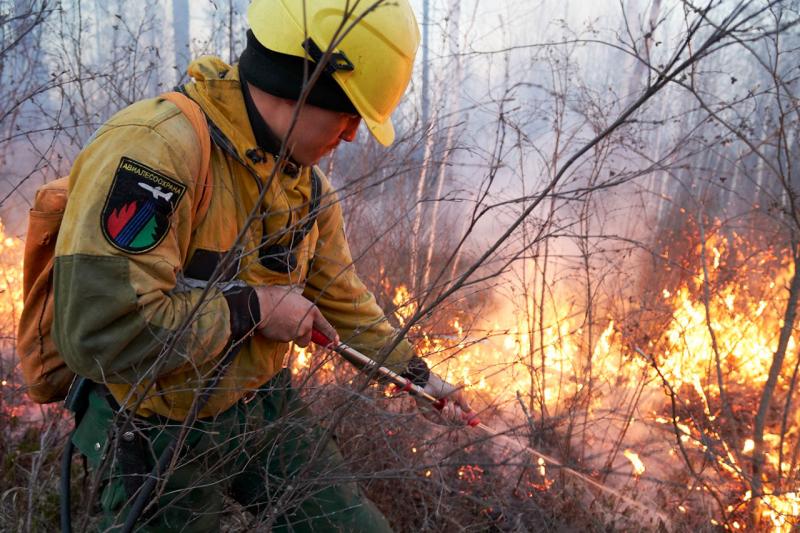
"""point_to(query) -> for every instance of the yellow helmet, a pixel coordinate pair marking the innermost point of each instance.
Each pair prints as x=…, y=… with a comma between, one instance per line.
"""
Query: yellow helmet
x=372, y=63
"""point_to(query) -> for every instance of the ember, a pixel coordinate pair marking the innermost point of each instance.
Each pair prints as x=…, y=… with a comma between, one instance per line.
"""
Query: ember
x=470, y=473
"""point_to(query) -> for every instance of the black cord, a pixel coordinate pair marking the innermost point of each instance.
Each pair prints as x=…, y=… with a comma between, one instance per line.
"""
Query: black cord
x=65, y=505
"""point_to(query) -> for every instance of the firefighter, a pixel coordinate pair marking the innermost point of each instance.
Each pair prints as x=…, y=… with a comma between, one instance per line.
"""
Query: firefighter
x=130, y=269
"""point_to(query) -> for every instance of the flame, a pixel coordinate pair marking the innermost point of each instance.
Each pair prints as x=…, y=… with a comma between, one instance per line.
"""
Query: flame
x=781, y=511
x=735, y=326
x=14, y=404
x=638, y=465
x=300, y=358
x=404, y=306
x=11, y=250
x=545, y=362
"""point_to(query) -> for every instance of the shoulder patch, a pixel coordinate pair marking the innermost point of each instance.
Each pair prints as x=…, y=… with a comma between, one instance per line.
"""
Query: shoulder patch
x=135, y=218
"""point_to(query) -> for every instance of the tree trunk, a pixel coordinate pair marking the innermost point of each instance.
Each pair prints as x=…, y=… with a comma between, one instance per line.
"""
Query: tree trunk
x=426, y=23
x=452, y=117
x=181, y=37
x=774, y=372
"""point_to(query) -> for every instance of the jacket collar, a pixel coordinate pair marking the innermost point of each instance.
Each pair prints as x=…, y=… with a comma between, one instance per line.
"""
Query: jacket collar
x=219, y=92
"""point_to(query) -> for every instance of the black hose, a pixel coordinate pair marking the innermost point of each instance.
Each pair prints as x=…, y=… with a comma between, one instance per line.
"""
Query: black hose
x=66, y=475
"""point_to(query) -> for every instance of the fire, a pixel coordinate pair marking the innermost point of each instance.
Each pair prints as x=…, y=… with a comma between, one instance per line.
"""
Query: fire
x=11, y=250
x=749, y=445
x=638, y=465
x=12, y=401
x=301, y=358
x=404, y=306
x=544, y=363
x=544, y=358
x=737, y=324
x=740, y=334
x=781, y=511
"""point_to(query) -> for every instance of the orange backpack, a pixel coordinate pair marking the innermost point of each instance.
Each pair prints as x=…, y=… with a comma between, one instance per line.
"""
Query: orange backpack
x=46, y=375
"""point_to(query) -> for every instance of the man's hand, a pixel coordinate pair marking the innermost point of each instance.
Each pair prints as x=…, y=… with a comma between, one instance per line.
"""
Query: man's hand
x=286, y=316
x=456, y=411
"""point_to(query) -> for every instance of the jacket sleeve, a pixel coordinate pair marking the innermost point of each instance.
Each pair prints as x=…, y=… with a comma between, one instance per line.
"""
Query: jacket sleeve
x=118, y=306
x=341, y=296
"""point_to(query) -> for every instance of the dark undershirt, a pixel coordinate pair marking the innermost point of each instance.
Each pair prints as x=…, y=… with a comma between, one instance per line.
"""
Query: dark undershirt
x=266, y=140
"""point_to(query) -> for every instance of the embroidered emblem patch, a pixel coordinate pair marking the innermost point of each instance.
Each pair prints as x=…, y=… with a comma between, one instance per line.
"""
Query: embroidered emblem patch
x=135, y=218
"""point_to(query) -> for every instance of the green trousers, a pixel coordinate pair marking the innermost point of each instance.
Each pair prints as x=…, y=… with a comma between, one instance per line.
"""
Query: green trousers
x=267, y=454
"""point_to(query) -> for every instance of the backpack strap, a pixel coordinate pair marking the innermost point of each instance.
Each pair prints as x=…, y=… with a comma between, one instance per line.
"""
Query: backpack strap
x=192, y=111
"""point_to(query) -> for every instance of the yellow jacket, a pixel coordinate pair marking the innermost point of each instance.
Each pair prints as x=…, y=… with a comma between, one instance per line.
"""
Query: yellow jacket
x=126, y=255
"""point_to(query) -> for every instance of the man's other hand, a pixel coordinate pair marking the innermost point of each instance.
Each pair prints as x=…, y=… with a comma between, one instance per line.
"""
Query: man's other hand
x=287, y=316
x=455, y=412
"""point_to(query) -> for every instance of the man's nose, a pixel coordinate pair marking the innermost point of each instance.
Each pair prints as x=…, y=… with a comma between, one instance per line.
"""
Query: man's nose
x=349, y=132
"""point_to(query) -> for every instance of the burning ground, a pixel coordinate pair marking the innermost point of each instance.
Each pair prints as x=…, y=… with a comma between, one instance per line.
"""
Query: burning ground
x=658, y=403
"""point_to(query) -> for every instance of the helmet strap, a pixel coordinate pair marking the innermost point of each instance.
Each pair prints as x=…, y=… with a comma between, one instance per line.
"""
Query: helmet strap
x=285, y=76
x=336, y=60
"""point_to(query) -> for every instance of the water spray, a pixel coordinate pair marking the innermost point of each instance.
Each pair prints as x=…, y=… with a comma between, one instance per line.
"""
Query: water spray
x=371, y=367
